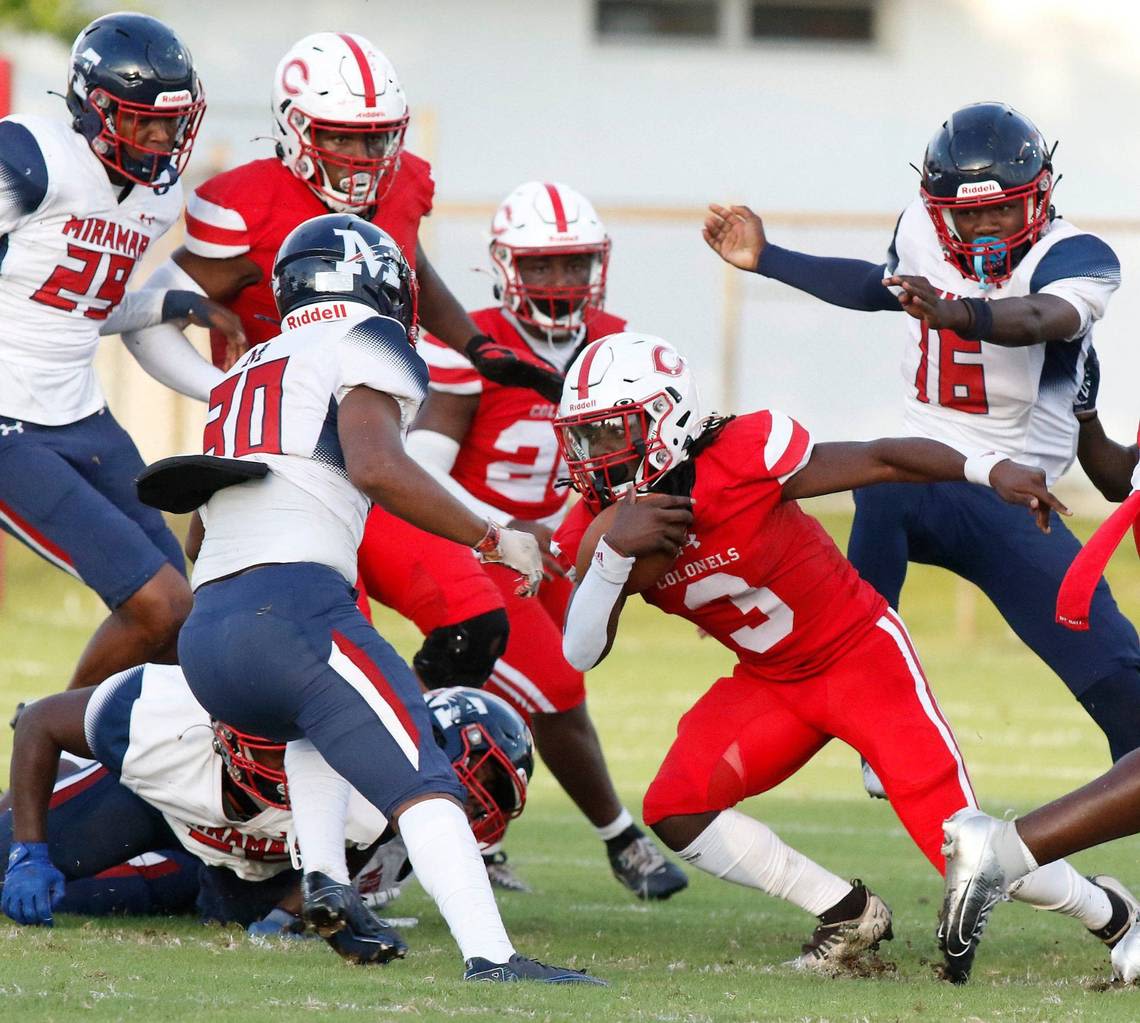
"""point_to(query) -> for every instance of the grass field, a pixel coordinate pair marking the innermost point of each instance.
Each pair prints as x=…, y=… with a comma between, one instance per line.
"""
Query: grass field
x=714, y=952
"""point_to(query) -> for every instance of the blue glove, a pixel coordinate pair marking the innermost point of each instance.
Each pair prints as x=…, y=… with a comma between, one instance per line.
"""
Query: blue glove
x=277, y=923
x=32, y=886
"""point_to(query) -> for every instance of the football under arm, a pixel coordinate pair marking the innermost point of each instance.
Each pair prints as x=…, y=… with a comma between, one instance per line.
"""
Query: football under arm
x=47, y=727
x=162, y=349
x=595, y=608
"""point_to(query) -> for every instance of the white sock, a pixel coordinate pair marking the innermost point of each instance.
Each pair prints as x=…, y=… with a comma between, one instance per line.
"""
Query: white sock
x=319, y=797
x=446, y=859
x=622, y=821
x=1012, y=853
x=739, y=848
x=1058, y=887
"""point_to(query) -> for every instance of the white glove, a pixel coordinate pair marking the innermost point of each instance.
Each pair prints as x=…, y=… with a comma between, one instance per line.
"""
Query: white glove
x=515, y=549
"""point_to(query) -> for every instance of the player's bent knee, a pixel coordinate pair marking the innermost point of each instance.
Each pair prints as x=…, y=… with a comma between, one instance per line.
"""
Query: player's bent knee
x=463, y=654
x=160, y=606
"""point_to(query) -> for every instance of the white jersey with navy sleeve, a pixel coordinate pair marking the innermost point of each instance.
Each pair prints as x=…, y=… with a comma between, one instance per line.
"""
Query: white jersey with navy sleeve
x=278, y=405
x=977, y=396
x=68, y=247
x=145, y=726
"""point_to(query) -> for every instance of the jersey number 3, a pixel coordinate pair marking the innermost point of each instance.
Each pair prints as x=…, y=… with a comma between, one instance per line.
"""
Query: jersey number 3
x=254, y=420
x=961, y=385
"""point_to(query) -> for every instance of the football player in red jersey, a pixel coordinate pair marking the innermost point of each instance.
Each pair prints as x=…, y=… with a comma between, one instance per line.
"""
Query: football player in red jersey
x=821, y=655
x=339, y=121
x=494, y=448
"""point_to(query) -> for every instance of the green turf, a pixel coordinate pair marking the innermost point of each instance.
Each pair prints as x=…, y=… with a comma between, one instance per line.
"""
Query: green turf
x=714, y=952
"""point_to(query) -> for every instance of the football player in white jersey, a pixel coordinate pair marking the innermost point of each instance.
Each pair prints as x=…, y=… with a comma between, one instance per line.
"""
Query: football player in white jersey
x=1001, y=296
x=168, y=775
x=305, y=431
x=80, y=203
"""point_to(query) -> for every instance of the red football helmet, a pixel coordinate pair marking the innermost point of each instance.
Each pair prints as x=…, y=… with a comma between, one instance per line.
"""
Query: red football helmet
x=238, y=751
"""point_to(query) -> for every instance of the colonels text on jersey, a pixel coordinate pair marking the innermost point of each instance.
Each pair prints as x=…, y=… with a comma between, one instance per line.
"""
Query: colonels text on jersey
x=278, y=405
x=758, y=573
x=977, y=396
x=509, y=457
x=249, y=210
x=69, y=243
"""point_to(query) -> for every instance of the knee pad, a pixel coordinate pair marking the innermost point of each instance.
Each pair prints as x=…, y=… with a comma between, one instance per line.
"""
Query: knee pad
x=463, y=654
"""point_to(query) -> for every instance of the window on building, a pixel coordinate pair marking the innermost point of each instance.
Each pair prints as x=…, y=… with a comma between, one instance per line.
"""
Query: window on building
x=657, y=19
x=836, y=21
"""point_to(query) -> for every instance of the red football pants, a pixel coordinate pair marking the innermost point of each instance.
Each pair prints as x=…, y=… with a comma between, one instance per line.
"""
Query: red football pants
x=747, y=734
x=423, y=577
x=532, y=675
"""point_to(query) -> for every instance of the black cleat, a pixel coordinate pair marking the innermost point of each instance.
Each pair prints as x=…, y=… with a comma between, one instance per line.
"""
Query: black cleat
x=521, y=968
x=338, y=915
x=639, y=865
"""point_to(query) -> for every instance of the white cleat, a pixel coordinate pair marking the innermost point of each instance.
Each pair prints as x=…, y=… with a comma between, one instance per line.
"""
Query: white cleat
x=975, y=883
x=835, y=944
x=1126, y=954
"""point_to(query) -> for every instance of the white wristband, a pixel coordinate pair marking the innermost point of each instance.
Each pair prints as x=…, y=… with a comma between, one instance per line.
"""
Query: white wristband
x=610, y=565
x=978, y=467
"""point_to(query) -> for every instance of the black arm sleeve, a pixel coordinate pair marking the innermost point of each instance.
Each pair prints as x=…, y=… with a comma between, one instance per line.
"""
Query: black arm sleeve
x=851, y=283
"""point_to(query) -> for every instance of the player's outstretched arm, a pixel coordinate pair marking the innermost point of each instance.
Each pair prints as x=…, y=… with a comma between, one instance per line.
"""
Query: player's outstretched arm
x=835, y=467
x=736, y=234
x=1009, y=322
x=368, y=425
x=33, y=885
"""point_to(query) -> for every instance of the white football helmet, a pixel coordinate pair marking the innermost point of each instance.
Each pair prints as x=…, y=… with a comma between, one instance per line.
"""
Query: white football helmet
x=630, y=412
x=335, y=81
x=543, y=219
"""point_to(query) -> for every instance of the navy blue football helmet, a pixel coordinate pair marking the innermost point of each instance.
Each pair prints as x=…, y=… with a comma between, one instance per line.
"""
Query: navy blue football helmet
x=987, y=154
x=128, y=70
x=341, y=257
x=492, y=752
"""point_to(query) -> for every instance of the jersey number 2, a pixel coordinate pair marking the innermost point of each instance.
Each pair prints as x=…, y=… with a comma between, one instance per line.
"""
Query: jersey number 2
x=779, y=618
x=68, y=287
x=961, y=385
x=256, y=420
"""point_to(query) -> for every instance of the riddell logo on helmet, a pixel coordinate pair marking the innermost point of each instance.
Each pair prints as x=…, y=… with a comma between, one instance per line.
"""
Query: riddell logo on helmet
x=578, y=406
x=173, y=99
x=978, y=188
x=315, y=314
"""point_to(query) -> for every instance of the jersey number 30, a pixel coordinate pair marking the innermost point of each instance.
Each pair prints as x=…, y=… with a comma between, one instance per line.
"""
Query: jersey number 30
x=254, y=420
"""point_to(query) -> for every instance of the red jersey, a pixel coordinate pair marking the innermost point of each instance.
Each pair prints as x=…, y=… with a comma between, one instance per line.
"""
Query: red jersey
x=758, y=573
x=249, y=210
x=509, y=458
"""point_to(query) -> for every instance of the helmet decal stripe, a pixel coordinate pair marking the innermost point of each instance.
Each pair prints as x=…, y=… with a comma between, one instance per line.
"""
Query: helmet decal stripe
x=559, y=210
x=365, y=69
x=584, y=370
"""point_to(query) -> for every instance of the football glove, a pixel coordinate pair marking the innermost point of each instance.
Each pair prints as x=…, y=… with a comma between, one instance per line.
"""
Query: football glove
x=1084, y=404
x=277, y=923
x=515, y=549
x=33, y=885
x=500, y=364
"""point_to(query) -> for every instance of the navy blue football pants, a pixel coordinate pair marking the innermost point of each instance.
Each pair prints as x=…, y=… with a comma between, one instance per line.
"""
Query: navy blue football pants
x=969, y=530
x=95, y=824
x=282, y=651
x=68, y=493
